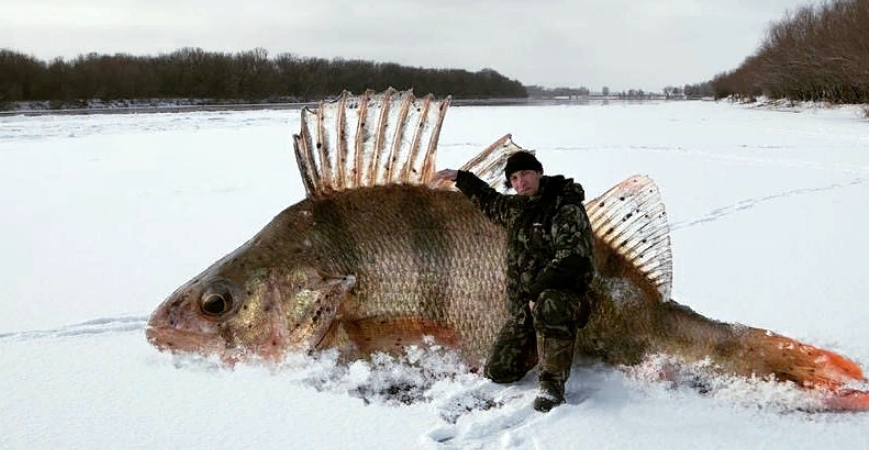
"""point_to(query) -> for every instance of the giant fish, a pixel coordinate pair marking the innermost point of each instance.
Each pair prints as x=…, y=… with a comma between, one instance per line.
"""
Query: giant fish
x=377, y=257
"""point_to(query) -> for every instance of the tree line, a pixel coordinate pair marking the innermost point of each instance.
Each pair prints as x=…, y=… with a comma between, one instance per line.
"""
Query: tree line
x=249, y=75
x=818, y=53
x=536, y=91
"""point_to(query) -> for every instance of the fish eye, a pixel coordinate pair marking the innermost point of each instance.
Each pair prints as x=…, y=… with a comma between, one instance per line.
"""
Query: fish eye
x=216, y=304
x=218, y=298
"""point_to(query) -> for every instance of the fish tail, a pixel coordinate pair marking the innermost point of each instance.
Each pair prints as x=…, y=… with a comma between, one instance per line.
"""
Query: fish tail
x=806, y=365
x=810, y=367
x=748, y=351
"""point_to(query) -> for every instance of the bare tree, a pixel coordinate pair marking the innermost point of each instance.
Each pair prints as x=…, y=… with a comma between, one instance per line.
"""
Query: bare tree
x=816, y=53
x=250, y=75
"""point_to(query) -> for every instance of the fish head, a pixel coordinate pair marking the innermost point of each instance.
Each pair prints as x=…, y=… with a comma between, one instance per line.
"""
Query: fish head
x=264, y=299
x=197, y=316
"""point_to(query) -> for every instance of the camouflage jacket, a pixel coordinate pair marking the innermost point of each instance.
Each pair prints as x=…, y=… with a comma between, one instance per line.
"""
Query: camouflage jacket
x=549, y=237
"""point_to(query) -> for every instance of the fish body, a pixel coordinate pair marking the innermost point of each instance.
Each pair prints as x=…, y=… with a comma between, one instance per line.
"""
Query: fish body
x=370, y=263
x=423, y=262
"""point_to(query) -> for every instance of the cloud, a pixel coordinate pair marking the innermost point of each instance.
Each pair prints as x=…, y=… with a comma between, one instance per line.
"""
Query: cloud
x=622, y=44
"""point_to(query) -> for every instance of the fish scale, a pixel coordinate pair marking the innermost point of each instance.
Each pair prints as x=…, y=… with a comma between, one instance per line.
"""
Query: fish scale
x=426, y=272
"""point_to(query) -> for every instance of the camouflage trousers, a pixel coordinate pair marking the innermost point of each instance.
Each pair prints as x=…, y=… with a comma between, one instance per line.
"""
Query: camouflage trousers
x=557, y=314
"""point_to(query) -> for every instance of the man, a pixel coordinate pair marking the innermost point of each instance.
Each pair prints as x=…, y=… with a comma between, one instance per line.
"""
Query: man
x=549, y=271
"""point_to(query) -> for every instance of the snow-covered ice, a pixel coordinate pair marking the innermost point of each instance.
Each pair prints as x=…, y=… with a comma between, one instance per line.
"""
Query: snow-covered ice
x=104, y=216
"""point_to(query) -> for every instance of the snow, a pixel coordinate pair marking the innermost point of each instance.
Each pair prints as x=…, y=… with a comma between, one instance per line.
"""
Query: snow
x=104, y=216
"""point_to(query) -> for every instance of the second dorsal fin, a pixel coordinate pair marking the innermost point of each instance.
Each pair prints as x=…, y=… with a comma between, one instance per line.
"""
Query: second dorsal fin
x=368, y=140
x=631, y=219
x=489, y=164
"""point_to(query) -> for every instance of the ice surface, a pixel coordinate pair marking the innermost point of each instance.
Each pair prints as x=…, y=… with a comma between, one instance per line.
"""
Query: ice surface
x=104, y=216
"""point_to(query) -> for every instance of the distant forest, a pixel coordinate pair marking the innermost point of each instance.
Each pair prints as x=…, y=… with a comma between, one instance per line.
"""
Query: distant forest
x=818, y=53
x=248, y=75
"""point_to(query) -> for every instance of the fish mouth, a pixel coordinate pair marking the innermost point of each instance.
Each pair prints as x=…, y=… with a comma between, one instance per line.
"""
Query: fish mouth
x=174, y=340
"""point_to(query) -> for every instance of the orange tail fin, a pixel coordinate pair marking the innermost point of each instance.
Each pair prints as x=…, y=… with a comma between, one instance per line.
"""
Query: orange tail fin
x=811, y=368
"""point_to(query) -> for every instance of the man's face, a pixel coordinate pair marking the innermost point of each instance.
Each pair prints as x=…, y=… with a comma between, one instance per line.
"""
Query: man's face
x=525, y=182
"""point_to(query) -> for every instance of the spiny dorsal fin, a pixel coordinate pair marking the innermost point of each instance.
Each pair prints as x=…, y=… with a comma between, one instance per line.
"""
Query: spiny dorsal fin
x=631, y=218
x=369, y=140
x=489, y=164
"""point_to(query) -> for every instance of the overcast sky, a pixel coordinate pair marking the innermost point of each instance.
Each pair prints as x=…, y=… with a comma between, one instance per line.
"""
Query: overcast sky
x=622, y=44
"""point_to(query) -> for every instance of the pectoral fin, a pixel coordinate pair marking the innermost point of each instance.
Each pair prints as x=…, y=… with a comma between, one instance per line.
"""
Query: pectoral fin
x=315, y=311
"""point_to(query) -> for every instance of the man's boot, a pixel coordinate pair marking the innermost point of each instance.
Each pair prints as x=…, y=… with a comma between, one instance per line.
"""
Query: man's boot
x=556, y=358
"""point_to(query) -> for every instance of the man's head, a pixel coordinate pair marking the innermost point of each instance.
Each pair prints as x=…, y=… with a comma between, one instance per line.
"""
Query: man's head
x=523, y=173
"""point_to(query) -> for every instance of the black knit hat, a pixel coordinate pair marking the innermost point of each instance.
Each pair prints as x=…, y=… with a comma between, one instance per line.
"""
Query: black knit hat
x=521, y=160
